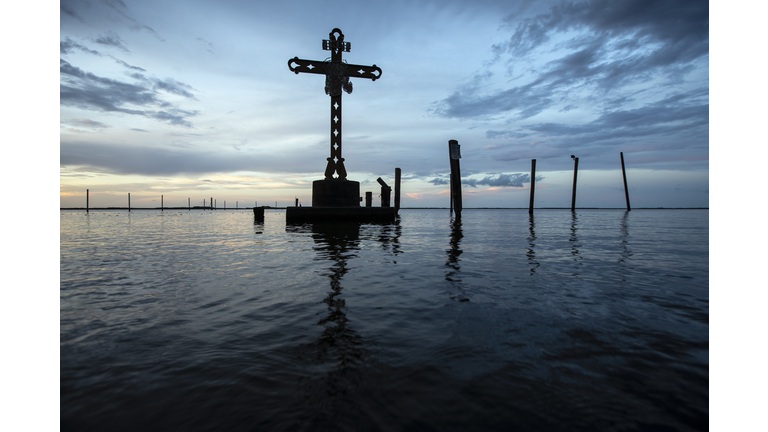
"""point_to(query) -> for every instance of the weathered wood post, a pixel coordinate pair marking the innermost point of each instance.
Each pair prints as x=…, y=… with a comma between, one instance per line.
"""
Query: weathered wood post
x=369, y=199
x=533, y=185
x=237, y=205
x=161, y=203
x=297, y=203
x=575, y=171
x=189, y=204
x=386, y=192
x=211, y=203
x=455, y=154
x=397, y=189
x=87, y=200
x=624, y=173
x=129, y=201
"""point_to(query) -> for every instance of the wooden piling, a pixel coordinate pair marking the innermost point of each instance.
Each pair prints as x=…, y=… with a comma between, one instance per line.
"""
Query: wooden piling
x=369, y=199
x=624, y=173
x=87, y=200
x=454, y=155
x=575, y=171
x=297, y=203
x=450, y=194
x=397, y=189
x=533, y=185
x=161, y=203
x=189, y=204
x=129, y=201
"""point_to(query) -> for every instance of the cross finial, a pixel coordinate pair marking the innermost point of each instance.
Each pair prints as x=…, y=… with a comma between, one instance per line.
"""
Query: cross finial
x=336, y=43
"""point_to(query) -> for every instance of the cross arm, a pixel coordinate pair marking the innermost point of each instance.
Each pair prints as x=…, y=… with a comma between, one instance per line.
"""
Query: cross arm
x=371, y=72
x=297, y=65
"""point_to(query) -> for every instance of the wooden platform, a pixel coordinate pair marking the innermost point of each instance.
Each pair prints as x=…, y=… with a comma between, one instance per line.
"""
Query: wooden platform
x=357, y=214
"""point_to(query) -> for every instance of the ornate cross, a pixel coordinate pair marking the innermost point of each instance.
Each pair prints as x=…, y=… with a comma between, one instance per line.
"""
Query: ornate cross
x=337, y=74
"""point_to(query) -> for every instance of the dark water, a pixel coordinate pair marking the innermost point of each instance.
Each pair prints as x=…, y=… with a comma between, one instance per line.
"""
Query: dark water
x=208, y=321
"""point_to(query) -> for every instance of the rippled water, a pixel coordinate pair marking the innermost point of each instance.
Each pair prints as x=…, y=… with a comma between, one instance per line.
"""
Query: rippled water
x=178, y=320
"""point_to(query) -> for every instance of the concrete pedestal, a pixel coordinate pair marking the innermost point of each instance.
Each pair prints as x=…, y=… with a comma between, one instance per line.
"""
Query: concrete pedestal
x=335, y=193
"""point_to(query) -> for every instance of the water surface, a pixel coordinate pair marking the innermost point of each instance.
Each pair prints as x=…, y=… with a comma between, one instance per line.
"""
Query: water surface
x=178, y=320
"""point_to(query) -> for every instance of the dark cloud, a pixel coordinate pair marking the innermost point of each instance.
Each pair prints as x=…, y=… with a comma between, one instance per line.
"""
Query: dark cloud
x=87, y=91
x=88, y=123
x=618, y=44
x=128, y=66
x=168, y=85
x=438, y=181
x=677, y=122
x=67, y=46
x=111, y=40
x=66, y=9
x=503, y=180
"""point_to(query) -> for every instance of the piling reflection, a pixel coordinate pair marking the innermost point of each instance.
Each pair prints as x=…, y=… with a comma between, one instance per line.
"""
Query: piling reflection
x=575, y=245
x=454, y=252
x=625, y=253
x=531, y=254
x=258, y=226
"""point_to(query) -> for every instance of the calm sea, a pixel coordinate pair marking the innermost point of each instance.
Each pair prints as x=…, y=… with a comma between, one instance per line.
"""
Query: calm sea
x=596, y=320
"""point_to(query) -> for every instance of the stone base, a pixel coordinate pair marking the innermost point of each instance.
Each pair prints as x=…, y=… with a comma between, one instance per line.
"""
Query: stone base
x=356, y=214
x=335, y=193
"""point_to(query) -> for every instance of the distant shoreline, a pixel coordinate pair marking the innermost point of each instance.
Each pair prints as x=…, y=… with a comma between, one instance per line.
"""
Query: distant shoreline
x=401, y=208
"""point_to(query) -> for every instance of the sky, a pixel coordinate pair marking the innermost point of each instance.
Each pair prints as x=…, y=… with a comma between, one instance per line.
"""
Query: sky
x=193, y=100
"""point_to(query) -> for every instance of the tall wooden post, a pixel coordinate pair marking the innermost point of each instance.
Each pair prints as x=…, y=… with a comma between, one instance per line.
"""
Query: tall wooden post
x=533, y=185
x=87, y=200
x=129, y=201
x=575, y=171
x=211, y=203
x=189, y=204
x=397, y=189
x=624, y=173
x=454, y=154
x=161, y=203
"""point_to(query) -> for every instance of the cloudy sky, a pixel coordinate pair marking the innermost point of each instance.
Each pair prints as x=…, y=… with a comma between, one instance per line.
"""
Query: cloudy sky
x=194, y=100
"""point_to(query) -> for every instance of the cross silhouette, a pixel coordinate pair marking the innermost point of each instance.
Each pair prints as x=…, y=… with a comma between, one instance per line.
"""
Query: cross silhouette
x=337, y=74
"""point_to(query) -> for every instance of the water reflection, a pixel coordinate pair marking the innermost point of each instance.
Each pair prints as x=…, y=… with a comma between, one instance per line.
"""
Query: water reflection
x=575, y=244
x=531, y=254
x=338, y=243
x=626, y=254
x=258, y=226
x=454, y=252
